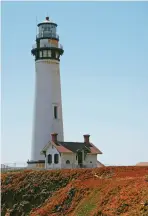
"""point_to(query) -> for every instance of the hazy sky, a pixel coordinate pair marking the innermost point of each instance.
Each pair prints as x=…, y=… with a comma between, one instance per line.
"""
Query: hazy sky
x=104, y=76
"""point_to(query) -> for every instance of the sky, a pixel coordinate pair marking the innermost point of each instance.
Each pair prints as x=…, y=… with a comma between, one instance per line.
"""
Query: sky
x=104, y=76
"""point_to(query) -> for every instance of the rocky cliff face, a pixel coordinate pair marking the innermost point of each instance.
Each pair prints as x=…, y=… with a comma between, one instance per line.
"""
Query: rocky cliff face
x=106, y=191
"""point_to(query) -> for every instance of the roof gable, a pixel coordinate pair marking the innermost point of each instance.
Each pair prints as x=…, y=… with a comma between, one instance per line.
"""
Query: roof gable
x=48, y=145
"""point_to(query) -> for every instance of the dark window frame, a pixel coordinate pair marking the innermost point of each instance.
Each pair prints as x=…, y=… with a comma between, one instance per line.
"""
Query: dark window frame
x=53, y=54
x=55, y=112
x=49, y=158
x=67, y=161
x=56, y=158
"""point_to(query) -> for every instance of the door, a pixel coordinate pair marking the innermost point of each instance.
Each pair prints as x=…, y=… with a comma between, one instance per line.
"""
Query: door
x=80, y=159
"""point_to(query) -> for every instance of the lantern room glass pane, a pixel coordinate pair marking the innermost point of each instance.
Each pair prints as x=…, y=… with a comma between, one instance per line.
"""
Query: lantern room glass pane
x=44, y=53
x=41, y=54
x=57, y=55
x=49, y=53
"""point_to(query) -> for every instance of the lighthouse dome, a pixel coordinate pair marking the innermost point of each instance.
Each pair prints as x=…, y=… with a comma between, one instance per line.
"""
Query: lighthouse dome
x=47, y=21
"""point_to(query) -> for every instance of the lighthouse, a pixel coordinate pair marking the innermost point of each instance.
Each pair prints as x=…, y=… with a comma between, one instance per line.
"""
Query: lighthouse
x=48, y=103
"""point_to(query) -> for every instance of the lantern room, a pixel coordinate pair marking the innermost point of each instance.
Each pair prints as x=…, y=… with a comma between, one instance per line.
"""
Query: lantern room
x=47, y=42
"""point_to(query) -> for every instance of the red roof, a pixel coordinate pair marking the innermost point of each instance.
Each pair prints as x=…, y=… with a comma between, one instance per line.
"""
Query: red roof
x=63, y=149
x=94, y=149
x=142, y=164
x=69, y=147
x=99, y=164
x=73, y=147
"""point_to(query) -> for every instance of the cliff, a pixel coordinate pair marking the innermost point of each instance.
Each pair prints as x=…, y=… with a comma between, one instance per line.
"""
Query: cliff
x=106, y=191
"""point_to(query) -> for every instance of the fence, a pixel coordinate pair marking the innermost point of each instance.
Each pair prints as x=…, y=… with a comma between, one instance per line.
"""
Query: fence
x=13, y=166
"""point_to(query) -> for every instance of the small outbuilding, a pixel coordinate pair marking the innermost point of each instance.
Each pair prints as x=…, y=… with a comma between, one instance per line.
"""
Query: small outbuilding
x=70, y=154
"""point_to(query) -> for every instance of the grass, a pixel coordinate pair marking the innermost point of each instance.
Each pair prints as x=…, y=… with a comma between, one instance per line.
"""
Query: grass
x=88, y=205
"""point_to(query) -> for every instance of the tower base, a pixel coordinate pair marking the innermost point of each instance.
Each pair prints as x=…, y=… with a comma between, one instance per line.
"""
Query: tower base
x=36, y=164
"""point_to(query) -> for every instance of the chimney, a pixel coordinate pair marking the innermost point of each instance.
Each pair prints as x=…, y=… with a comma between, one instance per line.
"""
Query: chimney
x=54, y=137
x=47, y=18
x=86, y=138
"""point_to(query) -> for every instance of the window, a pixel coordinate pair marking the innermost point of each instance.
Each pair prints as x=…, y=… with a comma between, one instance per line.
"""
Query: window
x=40, y=29
x=57, y=55
x=49, y=53
x=53, y=54
x=41, y=54
x=67, y=162
x=49, y=158
x=55, y=112
x=45, y=28
x=56, y=158
x=45, y=53
x=76, y=157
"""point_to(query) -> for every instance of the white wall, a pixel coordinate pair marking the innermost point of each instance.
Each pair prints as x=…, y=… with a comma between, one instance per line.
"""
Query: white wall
x=47, y=93
x=91, y=158
x=31, y=165
x=52, y=150
x=71, y=157
x=74, y=162
x=36, y=165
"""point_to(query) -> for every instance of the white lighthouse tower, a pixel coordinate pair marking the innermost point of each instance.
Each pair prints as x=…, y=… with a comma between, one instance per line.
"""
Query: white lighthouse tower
x=48, y=102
